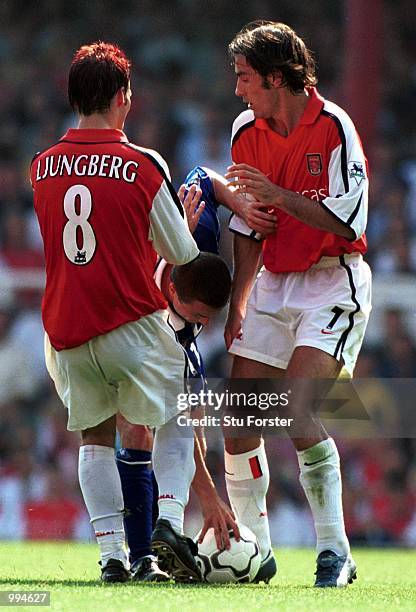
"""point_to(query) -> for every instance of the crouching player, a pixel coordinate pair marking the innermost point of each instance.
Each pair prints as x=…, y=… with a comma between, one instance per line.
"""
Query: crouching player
x=194, y=296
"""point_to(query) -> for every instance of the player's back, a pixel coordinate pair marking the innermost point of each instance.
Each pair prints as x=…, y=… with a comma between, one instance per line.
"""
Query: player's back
x=93, y=194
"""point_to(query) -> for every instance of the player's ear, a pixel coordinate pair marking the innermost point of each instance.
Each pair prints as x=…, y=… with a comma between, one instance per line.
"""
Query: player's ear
x=172, y=290
x=275, y=79
x=121, y=97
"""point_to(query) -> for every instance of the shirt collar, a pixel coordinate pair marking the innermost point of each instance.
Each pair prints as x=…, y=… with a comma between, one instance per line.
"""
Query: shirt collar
x=313, y=108
x=94, y=135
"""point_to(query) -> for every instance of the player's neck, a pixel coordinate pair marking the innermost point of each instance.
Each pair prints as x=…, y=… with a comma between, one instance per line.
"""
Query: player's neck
x=99, y=121
x=289, y=113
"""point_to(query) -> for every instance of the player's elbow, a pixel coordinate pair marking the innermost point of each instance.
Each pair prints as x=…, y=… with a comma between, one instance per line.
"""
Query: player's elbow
x=180, y=259
x=357, y=221
x=358, y=228
x=349, y=234
x=358, y=234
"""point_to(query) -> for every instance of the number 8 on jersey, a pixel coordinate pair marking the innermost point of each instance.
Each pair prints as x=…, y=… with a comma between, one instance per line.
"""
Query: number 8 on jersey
x=78, y=255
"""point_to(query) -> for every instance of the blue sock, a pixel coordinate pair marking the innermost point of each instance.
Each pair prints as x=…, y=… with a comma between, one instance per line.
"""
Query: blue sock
x=137, y=486
x=155, y=508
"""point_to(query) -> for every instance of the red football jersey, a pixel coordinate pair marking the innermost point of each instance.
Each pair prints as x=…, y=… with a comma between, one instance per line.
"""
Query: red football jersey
x=105, y=209
x=323, y=160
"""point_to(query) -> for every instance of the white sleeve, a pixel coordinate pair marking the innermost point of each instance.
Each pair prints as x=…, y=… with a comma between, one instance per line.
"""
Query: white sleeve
x=169, y=230
x=238, y=226
x=348, y=180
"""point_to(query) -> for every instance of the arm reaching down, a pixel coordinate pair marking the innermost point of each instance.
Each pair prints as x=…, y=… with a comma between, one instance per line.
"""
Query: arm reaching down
x=215, y=511
x=246, y=262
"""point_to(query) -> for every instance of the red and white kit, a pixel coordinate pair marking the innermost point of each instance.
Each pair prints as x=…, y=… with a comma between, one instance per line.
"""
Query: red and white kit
x=106, y=208
x=316, y=288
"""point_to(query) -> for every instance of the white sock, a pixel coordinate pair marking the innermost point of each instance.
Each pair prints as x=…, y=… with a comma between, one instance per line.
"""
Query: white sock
x=321, y=481
x=247, y=478
x=174, y=468
x=101, y=487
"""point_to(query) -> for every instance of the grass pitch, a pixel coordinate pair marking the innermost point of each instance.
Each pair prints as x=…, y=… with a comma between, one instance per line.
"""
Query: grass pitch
x=386, y=581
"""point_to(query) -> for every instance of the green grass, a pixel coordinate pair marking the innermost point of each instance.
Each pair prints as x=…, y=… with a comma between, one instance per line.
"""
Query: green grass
x=386, y=581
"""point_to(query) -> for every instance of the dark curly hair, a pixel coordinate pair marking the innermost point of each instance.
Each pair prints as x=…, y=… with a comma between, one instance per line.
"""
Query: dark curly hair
x=271, y=47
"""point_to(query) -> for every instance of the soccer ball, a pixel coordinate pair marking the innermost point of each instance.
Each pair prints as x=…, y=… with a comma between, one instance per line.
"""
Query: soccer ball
x=238, y=564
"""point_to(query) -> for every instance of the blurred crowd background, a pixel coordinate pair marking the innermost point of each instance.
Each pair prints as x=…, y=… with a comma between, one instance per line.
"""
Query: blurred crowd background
x=183, y=106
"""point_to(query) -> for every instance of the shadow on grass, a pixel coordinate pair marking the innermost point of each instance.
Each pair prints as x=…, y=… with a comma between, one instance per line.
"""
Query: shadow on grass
x=148, y=585
x=48, y=582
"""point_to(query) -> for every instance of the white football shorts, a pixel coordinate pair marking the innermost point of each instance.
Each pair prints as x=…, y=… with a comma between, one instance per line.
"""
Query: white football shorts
x=326, y=307
x=136, y=369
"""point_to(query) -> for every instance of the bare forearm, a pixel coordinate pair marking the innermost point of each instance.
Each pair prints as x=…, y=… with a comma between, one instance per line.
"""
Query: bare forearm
x=224, y=192
x=312, y=213
x=249, y=180
x=227, y=195
x=217, y=515
x=246, y=262
x=202, y=483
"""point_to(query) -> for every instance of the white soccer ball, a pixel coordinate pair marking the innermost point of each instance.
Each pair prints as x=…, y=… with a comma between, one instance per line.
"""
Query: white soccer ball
x=238, y=564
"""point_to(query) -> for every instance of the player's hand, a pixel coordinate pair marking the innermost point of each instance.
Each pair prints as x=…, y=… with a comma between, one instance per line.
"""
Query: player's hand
x=232, y=328
x=192, y=205
x=256, y=216
x=247, y=179
x=218, y=515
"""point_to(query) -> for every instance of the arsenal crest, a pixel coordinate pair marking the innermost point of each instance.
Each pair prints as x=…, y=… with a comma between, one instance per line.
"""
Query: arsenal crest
x=314, y=161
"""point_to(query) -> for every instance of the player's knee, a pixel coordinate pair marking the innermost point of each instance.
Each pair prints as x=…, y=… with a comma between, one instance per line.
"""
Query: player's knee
x=241, y=367
x=236, y=446
x=102, y=434
x=138, y=437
